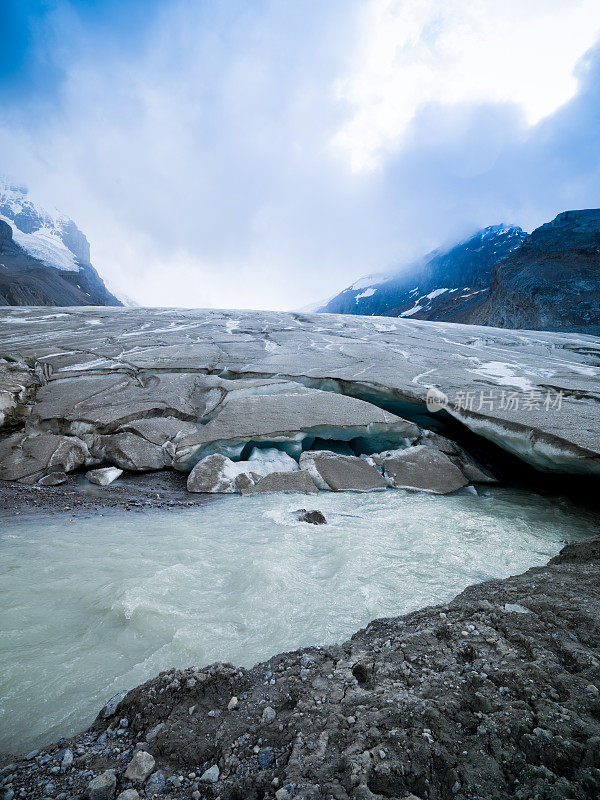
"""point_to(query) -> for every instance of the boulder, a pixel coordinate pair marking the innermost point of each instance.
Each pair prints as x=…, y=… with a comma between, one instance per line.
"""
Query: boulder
x=28, y=458
x=211, y=775
x=217, y=473
x=103, y=476
x=336, y=473
x=421, y=467
x=155, y=784
x=154, y=731
x=140, y=767
x=113, y=704
x=466, y=463
x=128, y=451
x=299, y=481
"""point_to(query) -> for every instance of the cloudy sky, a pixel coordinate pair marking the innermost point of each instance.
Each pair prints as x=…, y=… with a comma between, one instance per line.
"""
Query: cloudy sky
x=266, y=153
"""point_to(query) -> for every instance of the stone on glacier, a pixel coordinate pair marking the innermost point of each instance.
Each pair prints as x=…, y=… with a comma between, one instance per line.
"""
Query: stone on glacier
x=421, y=467
x=468, y=465
x=336, y=473
x=299, y=481
x=53, y=479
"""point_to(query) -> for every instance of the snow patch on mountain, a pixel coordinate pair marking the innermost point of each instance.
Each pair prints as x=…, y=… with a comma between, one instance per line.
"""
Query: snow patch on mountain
x=367, y=293
x=45, y=245
x=42, y=232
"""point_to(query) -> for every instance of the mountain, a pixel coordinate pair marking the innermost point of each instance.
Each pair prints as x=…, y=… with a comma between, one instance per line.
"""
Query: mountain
x=44, y=257
x=444, y=285
x=552, y=282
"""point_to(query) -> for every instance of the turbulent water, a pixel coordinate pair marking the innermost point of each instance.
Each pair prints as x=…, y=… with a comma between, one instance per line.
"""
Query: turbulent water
x=92, y=606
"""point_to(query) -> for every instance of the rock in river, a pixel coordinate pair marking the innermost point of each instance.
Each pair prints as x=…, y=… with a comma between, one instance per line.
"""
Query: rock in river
x=314, y=517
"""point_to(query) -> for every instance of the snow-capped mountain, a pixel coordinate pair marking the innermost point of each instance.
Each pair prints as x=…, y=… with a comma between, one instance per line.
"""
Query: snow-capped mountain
x=44, y=257
x=444, y=285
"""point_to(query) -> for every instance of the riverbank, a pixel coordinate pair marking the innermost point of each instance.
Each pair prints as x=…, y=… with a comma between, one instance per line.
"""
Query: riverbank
x=493, y=695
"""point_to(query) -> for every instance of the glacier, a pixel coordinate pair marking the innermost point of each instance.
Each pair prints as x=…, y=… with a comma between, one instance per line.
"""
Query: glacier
x=163, y=388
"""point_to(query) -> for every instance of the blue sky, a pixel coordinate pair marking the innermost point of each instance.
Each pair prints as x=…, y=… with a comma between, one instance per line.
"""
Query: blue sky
x=265, y=154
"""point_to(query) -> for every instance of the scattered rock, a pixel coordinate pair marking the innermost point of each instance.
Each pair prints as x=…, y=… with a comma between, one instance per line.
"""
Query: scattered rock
x=154, y=732
x=285, y=793
x=103, y=476
x=113, y=704
x=268, y=715
x=155, y=784
x=128, y=794
x=67, y=760
x=233, y=703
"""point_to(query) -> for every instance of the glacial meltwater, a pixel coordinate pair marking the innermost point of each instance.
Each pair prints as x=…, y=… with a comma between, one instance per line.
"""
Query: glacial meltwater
x=94, y=605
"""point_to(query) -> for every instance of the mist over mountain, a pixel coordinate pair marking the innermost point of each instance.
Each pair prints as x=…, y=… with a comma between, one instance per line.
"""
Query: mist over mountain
x=435, y=286
x=548, y=280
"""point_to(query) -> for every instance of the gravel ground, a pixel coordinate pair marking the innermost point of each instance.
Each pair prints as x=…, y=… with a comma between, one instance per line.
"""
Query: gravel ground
x=132, y=491
x=494, y=695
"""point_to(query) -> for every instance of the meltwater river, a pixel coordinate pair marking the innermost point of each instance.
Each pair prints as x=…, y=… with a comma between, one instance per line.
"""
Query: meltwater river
x=90, y=606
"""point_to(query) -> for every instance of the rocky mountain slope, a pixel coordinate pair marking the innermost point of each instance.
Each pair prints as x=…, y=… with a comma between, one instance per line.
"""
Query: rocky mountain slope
x=551, y=282
x=44, y=257
x=441, y=286
x=494, y=695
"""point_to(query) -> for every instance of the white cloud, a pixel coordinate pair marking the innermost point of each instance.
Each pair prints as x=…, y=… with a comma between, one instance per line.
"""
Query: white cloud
x=200, y=163
x=415, y=52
